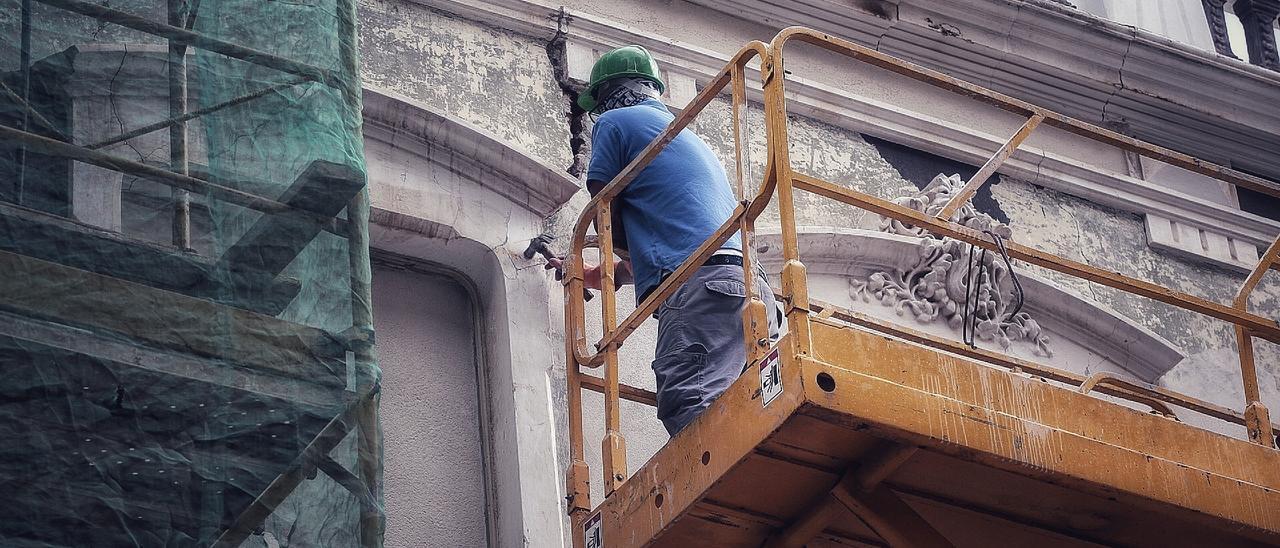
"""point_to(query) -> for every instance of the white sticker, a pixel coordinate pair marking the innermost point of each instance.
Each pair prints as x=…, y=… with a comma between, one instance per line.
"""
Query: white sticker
x=770, y=377
x=591, y=532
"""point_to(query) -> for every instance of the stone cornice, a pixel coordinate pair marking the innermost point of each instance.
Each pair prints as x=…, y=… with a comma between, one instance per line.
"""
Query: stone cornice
x=1089, y=79
x=468, y=150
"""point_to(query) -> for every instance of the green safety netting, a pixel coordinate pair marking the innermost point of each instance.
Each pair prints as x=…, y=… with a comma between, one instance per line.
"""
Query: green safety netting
x=185, y=331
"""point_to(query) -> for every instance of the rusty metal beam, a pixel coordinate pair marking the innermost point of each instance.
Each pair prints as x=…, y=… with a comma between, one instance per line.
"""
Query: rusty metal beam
x=890, y=517
x=625, y=391
x=988, y=169
x=348, y=481
x=864, y=476
x=32, y=112
x=143, y=130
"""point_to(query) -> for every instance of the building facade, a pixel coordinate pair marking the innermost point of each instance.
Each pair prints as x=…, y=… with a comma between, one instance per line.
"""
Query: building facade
x=474, y=150
x=473, y=147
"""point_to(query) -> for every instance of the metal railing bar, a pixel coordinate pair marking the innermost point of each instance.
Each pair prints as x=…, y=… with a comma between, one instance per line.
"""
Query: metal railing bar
x=625, y=391
x=1267, y=262
x=1140, y=393
x=988, y=169
x=1005, y=102
x=659, y=294
x=994, y=358
x=573, y=275
x=1264, y=327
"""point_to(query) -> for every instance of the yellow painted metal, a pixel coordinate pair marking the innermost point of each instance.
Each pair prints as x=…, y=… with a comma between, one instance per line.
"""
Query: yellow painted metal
x=916, y=395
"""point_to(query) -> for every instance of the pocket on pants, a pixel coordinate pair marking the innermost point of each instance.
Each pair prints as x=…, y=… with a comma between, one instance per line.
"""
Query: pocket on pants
x=728, y=288
x=680, y=381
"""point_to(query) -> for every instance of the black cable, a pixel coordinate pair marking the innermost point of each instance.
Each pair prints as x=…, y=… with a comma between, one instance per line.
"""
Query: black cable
x=969, y=325
x=1017, y=285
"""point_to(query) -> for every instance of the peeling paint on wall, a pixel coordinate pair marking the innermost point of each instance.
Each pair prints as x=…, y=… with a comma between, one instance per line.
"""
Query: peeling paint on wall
x=492, y=77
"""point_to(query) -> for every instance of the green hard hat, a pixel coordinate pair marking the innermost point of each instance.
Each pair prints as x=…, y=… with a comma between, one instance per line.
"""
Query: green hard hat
x=625, y=61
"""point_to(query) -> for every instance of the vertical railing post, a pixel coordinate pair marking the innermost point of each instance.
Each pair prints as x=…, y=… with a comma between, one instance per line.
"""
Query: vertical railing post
x=795, y=286
x=578, y=475
x=178, y=131
x=1256, y=417
x=613, y=448
x=754, y=320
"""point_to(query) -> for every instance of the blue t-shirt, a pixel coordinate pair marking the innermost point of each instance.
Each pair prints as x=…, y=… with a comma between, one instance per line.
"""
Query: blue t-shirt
x=675, y=203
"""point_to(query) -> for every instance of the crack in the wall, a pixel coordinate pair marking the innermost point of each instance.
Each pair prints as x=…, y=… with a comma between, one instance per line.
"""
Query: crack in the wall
x=558, y=56
x=1119, y=75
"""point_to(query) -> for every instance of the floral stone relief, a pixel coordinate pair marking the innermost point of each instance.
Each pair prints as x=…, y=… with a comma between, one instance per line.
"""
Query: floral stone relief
x=934, y=288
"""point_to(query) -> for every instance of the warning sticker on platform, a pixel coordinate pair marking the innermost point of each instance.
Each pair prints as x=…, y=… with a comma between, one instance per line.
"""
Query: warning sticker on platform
x=591, y=532
x=770, y=377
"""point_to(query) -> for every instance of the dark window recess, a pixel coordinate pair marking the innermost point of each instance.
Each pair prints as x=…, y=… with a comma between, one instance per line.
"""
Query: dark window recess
x=35, y=180
x=1257, y=203
x=921, y=167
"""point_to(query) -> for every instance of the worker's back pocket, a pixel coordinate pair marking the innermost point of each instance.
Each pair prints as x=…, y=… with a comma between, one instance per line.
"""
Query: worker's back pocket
x=728, y=288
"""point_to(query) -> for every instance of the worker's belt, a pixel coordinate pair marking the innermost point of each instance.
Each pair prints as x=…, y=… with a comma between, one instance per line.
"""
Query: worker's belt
x=721, y=258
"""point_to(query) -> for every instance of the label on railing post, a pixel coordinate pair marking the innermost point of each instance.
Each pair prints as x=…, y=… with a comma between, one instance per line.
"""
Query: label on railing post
x=770, y=378
x=591, y=532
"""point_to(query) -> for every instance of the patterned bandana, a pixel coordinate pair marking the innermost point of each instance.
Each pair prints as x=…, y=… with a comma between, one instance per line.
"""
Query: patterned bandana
x=626, y=92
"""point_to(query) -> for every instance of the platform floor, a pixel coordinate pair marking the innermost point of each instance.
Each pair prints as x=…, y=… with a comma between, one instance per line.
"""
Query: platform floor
x=933, y=449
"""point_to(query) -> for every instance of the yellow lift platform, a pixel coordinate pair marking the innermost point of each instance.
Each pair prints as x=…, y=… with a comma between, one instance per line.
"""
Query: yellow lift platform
x=854, y=432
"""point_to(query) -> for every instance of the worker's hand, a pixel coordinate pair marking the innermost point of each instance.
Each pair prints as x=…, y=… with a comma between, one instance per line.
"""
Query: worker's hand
x=591, y=274
x=556, y=263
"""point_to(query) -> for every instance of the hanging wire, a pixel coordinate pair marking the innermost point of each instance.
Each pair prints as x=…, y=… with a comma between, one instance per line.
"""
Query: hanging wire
x=973, y=287
x=1008, y=263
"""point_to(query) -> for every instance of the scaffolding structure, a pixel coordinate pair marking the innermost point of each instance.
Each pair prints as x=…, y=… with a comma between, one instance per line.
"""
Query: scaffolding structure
x=884, y=435
x=185, y=318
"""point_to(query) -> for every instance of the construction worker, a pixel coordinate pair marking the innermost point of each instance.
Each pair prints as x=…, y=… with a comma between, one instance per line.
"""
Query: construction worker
x=660, y=218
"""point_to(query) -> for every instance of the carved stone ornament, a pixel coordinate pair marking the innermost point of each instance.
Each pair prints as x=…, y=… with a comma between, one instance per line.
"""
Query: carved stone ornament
x=934, y=287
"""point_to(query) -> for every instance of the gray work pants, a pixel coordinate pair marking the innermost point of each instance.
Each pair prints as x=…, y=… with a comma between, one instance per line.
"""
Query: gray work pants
x=700, y=348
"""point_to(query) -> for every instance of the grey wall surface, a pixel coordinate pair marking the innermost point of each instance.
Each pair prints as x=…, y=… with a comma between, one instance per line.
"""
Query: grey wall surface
x=505, y=82
x=433, y=465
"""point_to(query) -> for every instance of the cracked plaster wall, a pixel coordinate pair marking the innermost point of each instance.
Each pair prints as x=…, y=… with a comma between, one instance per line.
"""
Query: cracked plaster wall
x=505, y=82
x=492, y=77
x=1115, y=240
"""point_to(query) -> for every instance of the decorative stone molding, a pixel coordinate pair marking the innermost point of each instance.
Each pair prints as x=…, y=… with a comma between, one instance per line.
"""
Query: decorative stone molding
x=1085, y=334
x=462, y=147
x=1259, y=20
x=1200, y=244
x=1213, y=12
x=936, y=286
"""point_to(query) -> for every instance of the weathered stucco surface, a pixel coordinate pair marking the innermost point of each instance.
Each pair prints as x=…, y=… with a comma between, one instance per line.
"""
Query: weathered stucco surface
x=506, y=83
x=494, y=78
x=1115, y=241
